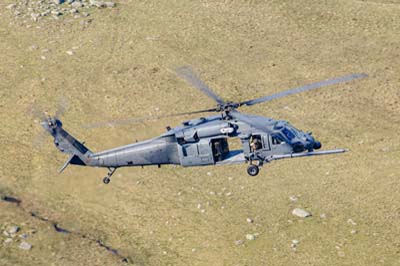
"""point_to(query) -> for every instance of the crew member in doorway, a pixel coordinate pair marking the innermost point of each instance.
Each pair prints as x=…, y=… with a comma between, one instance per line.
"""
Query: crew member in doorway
x=255, y=144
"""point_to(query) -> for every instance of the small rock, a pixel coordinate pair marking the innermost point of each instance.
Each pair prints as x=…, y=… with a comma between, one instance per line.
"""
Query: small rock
x=73, y=11
x=238, y=242
x=13, y=229
x=350, y=221
x=293, y=198
x=56, y=13
x=97, y=3
x=45, y=13
x=353, y=232
x=250, y=237
x=294, y=244
x=33, y=47
x=7, y=241
x=70, y=52
x=11, y=6
x=385, y=149
x=76, y=5
x=25, y=245
x=110, y=4
x=322, y=216
x=301, y=213
x=249, y=220
x=6, y=233
x=35, y=16
x=85, y=14
x=23, y=236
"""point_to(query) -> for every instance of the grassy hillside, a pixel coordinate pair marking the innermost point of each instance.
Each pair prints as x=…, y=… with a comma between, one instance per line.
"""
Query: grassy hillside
x=122, y=65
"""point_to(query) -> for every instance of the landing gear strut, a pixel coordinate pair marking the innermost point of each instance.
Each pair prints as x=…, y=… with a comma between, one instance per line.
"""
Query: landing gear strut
x=111, y=171
x=253, y=170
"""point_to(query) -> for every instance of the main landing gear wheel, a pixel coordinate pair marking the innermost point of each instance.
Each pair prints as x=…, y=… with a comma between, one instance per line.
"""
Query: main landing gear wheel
x=253, y=170
x=106, y=180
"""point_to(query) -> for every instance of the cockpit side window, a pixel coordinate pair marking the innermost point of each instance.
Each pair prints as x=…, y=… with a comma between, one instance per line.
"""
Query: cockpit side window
x=277, y=139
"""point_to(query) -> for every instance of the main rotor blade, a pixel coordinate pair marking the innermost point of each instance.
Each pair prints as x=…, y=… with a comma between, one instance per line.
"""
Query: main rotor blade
x=187, y=73
x=246, y=119
x=305, y=88
x=143, y=119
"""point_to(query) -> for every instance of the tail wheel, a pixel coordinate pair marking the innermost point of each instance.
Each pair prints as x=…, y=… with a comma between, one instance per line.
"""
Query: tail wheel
x=253, y=170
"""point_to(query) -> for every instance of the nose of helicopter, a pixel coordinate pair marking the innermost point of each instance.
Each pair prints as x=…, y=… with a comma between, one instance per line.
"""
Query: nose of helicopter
x=317, y=145
x=311, y=143
x=306, y=142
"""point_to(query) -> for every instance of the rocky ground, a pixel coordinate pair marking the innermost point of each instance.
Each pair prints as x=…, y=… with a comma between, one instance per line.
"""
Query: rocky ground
x=113, y=61
x=26, y=11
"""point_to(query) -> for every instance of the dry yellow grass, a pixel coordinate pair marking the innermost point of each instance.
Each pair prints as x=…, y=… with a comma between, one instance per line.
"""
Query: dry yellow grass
x=123, y=67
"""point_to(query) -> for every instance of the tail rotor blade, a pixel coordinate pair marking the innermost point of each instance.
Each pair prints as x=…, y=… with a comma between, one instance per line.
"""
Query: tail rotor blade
x=37, y=113
x=305, y=88
x=62, y=107
x=40, y=116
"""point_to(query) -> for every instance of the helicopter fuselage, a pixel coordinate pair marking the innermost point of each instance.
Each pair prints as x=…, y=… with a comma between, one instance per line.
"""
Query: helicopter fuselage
x=198, y=142
x=205, y=141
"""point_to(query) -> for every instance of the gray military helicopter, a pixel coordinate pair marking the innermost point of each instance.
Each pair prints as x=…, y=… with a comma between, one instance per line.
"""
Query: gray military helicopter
x=205, y=140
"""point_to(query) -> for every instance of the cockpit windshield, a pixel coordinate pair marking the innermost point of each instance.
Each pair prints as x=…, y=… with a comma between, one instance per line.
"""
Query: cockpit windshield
x=288, y=133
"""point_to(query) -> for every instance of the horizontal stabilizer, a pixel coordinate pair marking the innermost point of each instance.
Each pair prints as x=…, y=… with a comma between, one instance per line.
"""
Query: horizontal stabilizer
x=73, y=159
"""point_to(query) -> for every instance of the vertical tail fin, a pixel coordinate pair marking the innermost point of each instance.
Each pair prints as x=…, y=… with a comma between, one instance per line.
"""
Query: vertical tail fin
x=66, y=143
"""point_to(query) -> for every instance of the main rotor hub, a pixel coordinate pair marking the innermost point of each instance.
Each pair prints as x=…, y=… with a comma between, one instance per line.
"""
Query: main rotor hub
x=226, y=107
